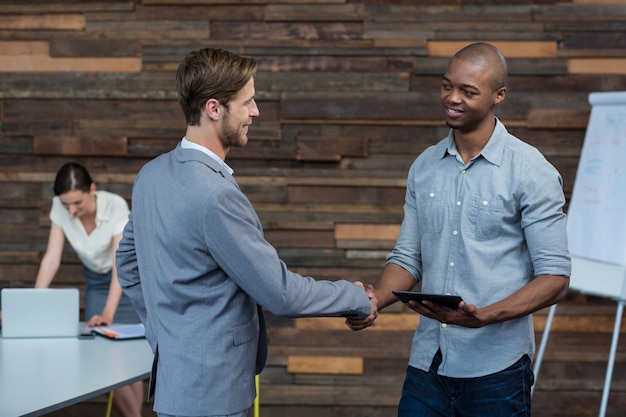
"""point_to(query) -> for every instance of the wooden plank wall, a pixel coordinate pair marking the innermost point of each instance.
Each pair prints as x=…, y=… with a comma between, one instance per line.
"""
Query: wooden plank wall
x=348, y=95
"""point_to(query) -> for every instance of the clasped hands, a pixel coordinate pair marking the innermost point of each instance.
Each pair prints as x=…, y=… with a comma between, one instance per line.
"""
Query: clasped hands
x=360, y=324
x=467, y=315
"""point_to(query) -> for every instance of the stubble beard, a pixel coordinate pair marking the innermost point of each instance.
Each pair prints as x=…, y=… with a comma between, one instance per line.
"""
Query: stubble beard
x=231, y=136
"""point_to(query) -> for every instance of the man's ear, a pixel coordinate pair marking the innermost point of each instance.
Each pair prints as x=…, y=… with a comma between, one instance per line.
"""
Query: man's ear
x=499, y=96
x=213, y=109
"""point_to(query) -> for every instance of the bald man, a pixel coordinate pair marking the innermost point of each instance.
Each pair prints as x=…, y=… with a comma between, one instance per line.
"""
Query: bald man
x=483, y=219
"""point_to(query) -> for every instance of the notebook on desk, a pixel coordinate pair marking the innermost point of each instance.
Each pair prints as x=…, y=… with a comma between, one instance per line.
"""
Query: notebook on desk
x=40, y=312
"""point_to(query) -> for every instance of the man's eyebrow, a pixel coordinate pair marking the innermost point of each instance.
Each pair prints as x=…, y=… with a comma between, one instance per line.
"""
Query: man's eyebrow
x=473, y=87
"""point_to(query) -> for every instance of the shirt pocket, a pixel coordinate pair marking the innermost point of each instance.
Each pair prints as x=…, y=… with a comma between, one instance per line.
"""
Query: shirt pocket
x=432, y=211
x=484, y=218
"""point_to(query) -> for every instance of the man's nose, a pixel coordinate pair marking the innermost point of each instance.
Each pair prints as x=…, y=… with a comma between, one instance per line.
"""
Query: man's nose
x=254, y=111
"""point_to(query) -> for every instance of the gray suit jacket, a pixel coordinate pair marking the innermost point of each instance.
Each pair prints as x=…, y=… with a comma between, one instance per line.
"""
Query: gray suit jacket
x=195, y=264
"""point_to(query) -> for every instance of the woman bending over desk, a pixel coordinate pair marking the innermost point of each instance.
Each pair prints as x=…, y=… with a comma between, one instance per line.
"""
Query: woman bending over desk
x=92, y=221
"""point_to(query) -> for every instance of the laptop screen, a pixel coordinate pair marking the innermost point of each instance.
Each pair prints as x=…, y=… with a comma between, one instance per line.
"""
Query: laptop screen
x=40, y=312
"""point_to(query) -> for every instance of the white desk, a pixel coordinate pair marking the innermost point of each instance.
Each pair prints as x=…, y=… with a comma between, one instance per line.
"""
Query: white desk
x=38, y=376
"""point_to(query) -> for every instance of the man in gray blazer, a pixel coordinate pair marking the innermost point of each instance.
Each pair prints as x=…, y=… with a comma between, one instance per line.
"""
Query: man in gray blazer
x=194, y=261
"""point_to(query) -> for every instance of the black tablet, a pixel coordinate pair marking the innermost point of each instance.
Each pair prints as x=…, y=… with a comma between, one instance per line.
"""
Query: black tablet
x=447, y=301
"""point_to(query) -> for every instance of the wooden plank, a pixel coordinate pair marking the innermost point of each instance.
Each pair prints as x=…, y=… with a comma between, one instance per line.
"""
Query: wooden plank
x=16, y=48
x=314, y=12
x=452, y=12
x=385, y=322
x=296, y=225
x=312, y=148
x=279, y=352
x=437, y=28
x=516, y=66
x=392, y=373
x=564, y=83
x=510, y=49
x=357, y=231
x=300, y=238
x=42, y=22
x=352, y=179
x=162, y=31
x=355, y=195
x=16, y=145
x=344, y=48
x=285, y=30
x=597, y=66
x=584, y=324
x=91, y=85
x=358, y=106
x=19, y=257
x=279, y=410
x=43, y=63
x=23, y=275
x=581, y=13
x=558, y=118
x=94, y=48
x=598, y=2
x=23, y=196
x=374, y=64
x=591, y=40
x=343, y=213
x=331, y=81
x=340, y=395
x=74, y=145
x=580, y=347
x=45, y=7
x=369, y=245
x=441, y=31
x=107, y=15
x=325, y=365
x=575, y=403
x=51, y=110
x=179, y=2
x=297, y=338
x=19, y=233
x=408, y=31
x=209, y=11
x=170, y=54
x=318, y=258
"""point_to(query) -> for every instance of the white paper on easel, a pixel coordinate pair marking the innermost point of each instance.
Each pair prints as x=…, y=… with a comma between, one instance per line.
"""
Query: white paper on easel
x=596, y=223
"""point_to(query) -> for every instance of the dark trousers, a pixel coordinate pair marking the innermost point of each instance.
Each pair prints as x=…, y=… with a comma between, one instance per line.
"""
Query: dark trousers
x=503, y=394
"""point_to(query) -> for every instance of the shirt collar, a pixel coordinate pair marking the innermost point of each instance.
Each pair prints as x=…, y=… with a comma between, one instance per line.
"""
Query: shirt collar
x=187, y=144
x=492, y=151
x=101, y=211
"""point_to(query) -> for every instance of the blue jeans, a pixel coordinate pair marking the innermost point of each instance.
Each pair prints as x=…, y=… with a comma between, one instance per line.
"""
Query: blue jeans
x=503, y=394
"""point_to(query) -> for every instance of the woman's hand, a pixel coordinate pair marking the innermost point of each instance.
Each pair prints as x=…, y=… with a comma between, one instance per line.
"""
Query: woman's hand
x=99, y=320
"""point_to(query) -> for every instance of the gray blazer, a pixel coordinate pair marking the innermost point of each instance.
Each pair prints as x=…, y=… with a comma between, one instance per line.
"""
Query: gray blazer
x=195, y=264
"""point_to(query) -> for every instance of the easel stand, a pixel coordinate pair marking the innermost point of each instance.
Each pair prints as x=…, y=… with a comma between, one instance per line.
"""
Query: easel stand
x=595, y=217
x=611, y=362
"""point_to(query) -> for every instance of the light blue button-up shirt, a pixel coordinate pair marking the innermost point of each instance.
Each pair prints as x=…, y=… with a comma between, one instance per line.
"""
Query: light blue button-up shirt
x=481, y=230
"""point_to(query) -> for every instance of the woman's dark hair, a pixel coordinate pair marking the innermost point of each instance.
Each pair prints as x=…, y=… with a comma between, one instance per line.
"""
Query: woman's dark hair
x=72, y=176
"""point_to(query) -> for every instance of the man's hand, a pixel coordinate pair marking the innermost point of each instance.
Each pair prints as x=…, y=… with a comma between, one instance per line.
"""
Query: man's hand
x=467, y=315
x=360, y=324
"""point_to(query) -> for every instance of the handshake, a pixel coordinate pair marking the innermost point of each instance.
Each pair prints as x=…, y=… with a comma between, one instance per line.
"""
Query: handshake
x=360, y=324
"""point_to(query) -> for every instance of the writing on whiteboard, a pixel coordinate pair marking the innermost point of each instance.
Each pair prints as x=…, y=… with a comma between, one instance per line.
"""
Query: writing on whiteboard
x=597, y=211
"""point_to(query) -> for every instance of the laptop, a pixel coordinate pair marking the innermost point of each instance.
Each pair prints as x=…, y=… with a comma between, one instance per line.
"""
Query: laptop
x=40, y=312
